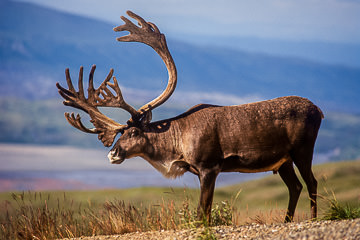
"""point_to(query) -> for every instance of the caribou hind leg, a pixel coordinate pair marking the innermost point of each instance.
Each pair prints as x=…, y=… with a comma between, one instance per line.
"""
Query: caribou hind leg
x=288, y=175
x=303, y=156
x=304, y=167
x=311, y=184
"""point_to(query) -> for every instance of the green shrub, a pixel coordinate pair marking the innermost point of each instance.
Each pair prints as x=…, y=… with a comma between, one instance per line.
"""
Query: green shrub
x=221, y=214
x=337, y=211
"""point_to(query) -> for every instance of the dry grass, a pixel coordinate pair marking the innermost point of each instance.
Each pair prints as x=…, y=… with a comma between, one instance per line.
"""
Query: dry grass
x=29, y=216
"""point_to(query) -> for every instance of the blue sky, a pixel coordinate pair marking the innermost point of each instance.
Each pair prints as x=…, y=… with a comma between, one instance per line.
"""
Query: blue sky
x=309, y=20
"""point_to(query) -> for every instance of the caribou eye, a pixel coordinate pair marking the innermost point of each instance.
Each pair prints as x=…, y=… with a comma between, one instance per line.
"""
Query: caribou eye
x=134, y=133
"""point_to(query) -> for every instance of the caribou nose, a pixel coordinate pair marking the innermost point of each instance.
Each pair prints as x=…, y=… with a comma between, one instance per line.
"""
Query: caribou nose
x=111, y=155
x=114, y=158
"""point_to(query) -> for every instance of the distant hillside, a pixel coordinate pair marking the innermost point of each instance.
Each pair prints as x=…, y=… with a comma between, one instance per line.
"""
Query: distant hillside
x=37, y=44
x=43, y=122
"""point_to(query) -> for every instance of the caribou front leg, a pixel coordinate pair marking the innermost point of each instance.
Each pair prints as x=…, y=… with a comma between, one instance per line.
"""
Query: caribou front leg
x=207, y=185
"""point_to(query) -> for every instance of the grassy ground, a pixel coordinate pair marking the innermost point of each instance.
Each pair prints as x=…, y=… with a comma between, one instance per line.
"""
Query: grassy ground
x=264, y=200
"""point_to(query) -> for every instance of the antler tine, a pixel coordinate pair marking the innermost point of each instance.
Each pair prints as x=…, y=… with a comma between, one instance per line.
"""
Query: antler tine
x=91, y=89
x=154, y=27
x=80, y=83
x=148, y=33
x=68, y=80
x=76, y=122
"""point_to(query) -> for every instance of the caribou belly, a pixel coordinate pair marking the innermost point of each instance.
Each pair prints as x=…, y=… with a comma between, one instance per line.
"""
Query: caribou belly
x=238, y=163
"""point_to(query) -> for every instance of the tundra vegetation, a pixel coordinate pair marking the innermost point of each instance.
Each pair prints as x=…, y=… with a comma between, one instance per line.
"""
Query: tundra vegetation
x=48, y=215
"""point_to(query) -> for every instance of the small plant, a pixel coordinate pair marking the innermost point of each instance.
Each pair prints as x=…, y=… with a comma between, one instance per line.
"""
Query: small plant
x=337, y=211
x=187, y=216
x=206, y=234
x=221, y=214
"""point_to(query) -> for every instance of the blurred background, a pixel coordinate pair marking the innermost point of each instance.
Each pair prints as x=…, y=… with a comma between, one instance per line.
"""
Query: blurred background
x=226, y=52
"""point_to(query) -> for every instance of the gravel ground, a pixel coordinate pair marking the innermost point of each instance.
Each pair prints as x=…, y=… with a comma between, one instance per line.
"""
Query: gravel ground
x=347, y=229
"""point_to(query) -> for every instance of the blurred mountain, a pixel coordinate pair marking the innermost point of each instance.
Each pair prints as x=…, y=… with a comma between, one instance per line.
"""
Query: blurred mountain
x=42, y=122
x=336, y=53
x=37, y=44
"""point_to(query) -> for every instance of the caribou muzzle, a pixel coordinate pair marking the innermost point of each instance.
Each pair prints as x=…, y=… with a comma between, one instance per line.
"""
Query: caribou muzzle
x=115, y=158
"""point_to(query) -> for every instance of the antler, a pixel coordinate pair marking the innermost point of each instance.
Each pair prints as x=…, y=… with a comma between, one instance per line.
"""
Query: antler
x=105, y=127
x=149, y=34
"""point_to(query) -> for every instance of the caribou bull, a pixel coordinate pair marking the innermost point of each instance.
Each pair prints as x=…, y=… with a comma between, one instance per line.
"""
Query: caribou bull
x=207, y=139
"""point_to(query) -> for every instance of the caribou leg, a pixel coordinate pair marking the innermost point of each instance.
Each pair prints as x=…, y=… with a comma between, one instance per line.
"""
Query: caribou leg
x=310, y=181
x=311, y=184
x=207, y=186
x=288, y=175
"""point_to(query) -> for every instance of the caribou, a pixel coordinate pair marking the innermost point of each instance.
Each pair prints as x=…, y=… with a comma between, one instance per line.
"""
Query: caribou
x=272, y=135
